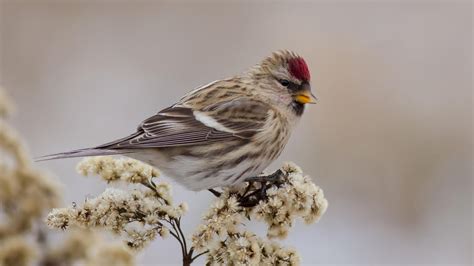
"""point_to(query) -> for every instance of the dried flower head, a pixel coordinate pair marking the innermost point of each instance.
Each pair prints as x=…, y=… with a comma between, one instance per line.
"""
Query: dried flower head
x=296, y=197
x=74, y=247
x=222, y=219
x=245, y=248
x=111, y=254
x=16, y=251
x=140, y=215
x=111, y=169
x=5, y=104
x=279, y=204
x=137, y=215
x=11, y=146
x=25, y=193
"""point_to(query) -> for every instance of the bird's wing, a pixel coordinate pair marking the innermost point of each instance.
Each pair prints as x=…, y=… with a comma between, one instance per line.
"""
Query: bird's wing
x=181, y=125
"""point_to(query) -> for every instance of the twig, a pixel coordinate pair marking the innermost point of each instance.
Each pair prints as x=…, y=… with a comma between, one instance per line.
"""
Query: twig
x=199, y=255
x=151, y=185
x=176, y=230
x=178, y=237
x=178, y=224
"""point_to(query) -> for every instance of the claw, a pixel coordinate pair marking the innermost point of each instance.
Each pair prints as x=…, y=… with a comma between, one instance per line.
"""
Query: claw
x=215, y=192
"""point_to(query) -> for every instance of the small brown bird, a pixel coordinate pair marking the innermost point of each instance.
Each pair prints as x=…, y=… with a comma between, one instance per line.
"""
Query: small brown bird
x=222, y=133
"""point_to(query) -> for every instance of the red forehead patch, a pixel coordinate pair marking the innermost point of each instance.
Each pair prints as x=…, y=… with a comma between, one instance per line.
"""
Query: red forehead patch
x=299, y=69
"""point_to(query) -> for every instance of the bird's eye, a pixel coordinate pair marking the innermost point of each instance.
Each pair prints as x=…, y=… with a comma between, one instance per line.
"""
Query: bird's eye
x=284, y=82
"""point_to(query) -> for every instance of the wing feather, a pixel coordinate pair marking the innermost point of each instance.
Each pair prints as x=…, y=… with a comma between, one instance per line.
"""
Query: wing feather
x=179, y=126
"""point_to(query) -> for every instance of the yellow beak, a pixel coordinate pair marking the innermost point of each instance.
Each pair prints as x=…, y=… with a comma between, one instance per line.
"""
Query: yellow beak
x=305, y=96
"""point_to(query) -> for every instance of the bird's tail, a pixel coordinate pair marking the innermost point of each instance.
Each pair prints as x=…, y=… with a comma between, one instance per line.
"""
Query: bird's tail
x=80, y=153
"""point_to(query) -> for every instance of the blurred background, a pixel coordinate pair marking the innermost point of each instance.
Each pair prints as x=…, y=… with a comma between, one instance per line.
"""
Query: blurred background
x=390, y=141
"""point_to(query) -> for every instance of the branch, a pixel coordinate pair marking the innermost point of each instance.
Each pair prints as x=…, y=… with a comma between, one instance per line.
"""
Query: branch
x=178, y=225
x=199, y=255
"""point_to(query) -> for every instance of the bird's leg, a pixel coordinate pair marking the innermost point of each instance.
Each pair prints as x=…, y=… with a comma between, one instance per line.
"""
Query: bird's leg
x=215, y=192
x=254, y=197
x=247, y=189
x=263, y=189
x=264, y=178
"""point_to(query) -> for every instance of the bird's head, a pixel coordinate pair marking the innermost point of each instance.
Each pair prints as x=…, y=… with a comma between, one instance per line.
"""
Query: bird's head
x=284, y=76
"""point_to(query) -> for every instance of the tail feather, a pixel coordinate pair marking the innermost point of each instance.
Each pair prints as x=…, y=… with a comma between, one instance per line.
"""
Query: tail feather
x=80, y=153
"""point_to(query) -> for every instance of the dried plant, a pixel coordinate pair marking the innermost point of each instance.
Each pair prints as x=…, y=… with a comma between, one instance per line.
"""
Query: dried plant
x=278, y=204
x=26, y=195
x=140, y=215
x=143, y=213
x=86, y=246
x=6, y=106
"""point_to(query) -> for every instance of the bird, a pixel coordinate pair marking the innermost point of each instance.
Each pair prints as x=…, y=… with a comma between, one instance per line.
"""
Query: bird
x=223, y=133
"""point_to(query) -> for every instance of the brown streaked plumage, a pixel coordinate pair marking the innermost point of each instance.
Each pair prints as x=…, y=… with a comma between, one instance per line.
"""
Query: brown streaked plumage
x=222, y=133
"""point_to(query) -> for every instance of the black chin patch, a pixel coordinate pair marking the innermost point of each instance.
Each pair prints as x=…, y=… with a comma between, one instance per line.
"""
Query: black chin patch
x=297, y=107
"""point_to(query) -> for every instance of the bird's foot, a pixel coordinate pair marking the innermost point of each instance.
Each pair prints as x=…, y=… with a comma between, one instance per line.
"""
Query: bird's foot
x=254, y=194
x=251, y=199
x=274, y=177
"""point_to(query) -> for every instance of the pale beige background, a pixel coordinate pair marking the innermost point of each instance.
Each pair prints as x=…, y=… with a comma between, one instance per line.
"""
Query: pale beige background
x=390, y=141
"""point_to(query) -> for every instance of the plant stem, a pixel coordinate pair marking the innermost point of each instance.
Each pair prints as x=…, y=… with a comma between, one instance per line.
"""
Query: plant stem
x=187, y=255
x=187, y=259
x=177, y=232
x=200, y=254
x=178, y=224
